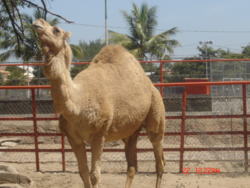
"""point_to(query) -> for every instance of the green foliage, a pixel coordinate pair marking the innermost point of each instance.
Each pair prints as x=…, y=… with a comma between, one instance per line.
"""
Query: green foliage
x=30, y=49
x=246, y=51
x=1, y=79
x=210, y=52
x=180, y=71
x=183, y=70
x=39, y=78
x=141, y=41
x=76, y=69
x=91, y=49
x=86, y=52
x=11, y=23
x=150, y=67
x=5, y=27
x=15, y=77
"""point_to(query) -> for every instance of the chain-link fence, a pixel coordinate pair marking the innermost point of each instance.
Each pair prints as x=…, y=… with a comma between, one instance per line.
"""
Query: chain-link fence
x=214, y=135
x=215, y=132
x=170, y=71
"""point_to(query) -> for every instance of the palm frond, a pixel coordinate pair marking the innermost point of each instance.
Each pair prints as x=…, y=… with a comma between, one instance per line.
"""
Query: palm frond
x=7, y=55
x=141, y=41
x=121, y=39
x=136, y=52
x=163, y=36
x=77, y=51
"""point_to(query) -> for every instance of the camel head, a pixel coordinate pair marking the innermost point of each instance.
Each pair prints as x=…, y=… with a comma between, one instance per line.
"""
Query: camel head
x=51, y=37
x=55, y=48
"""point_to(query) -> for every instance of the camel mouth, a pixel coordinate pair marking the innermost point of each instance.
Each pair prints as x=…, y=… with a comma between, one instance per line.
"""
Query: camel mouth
x=38, y=27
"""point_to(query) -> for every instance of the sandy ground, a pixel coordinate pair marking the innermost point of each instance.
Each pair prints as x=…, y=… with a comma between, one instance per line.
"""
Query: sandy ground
x=71, y=179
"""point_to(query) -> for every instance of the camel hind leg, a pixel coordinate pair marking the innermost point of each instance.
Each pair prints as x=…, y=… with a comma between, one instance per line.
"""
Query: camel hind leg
x=155, y=127
x=159, y=157
x=130, y=147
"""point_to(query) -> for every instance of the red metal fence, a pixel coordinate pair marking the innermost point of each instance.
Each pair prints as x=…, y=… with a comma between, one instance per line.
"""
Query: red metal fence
x=183, y=117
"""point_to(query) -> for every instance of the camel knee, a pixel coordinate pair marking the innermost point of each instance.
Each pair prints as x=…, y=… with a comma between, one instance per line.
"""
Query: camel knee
x=95, y=178
x=160, y=167
x=156, y=138
x=131, y=172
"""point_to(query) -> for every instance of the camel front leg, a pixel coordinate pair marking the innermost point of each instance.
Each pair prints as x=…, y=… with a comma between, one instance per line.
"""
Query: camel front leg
x=96, y=149
x=81, y=156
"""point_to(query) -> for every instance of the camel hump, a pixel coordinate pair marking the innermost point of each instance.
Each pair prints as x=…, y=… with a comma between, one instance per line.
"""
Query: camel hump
x=112, y=54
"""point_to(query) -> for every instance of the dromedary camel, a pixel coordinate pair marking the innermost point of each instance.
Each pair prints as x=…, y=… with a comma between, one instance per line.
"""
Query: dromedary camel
x=110, y=100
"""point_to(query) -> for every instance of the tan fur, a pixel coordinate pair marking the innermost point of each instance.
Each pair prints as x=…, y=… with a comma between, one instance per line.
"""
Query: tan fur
x=112, y=99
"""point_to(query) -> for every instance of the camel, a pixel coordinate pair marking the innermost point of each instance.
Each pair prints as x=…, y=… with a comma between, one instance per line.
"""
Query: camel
x=112, y=99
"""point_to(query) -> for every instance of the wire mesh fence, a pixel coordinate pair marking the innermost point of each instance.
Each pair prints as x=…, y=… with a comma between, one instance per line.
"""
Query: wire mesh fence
x=158, y=71
x=215, y=133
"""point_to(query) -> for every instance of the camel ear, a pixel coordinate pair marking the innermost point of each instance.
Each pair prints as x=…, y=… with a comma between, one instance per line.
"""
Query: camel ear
x=67, y=35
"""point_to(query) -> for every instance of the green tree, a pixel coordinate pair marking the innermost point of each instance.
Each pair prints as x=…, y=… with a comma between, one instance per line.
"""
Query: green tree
x=141, y=41
x=246, y=51
x=182, y=70
x=11, y=20
x=85, y=53
x=230, y=55
x=30, y=49
x=210, y=52
x=91, y=49
x=15, y=77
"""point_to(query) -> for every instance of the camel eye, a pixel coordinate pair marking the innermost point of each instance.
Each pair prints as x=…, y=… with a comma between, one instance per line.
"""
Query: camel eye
x=56, y=30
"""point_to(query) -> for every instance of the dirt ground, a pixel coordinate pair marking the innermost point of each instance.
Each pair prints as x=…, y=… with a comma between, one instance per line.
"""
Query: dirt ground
x=71, y=179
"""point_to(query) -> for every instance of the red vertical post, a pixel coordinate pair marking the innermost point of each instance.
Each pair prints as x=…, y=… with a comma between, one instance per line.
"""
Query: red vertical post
x=245, y=125
x=56, y=115
x=63, y=153
x=184, y=100
x=35, y=128
x=161, y=67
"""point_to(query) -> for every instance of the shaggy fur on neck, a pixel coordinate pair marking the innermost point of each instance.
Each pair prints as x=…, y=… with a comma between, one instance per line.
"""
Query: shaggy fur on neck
x=57, y=64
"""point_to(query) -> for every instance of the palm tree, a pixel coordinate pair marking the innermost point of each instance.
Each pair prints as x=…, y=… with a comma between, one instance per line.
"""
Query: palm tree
x=141, y=41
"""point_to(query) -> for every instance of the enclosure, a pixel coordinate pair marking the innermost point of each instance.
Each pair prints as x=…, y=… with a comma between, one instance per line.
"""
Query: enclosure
x=205, y=133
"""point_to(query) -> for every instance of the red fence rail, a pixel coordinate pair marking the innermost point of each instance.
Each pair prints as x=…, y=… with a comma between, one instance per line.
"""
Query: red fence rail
x=183, y=117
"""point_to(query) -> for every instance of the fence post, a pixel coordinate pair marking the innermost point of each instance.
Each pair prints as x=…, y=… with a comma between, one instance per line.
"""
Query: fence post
x=184, y=100
x=35, y=128
x=161, y=71
x=245, y=125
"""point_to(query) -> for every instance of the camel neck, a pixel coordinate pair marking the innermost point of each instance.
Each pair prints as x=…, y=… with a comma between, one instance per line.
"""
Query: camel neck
x=63, y=90
x=65, y=95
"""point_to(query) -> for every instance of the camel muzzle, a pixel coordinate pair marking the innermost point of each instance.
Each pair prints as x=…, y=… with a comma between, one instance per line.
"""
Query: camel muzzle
x=37, y=27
